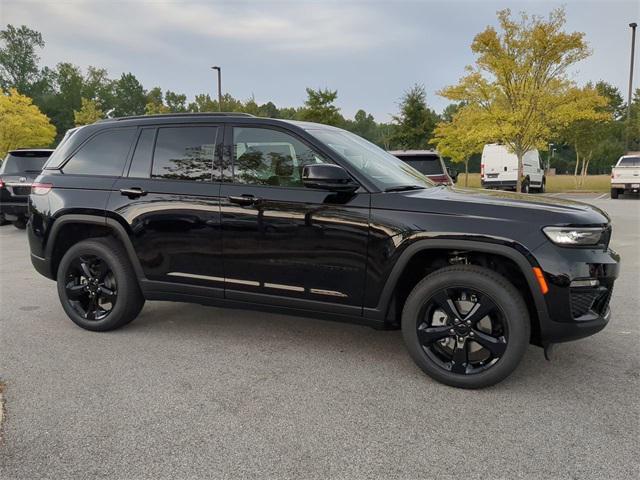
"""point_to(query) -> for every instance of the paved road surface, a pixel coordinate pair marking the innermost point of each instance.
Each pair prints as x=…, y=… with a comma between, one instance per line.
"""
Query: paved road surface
x=188, y=391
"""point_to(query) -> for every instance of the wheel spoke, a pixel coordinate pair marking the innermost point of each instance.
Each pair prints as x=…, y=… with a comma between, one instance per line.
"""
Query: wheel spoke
x=107, y=293
x=429, y=335
x=460, y=359
x=496, y=345
x=92, y=307
x=446, y=304
x=74, y=292
x=483, y=307
x=86, y=271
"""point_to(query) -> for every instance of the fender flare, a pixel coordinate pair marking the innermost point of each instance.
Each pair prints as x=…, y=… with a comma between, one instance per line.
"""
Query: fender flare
x=515, y=252
x=118, y=230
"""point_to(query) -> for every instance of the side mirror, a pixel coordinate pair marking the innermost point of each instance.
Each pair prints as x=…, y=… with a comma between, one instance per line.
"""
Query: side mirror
x=327, y=176
x=453, y=174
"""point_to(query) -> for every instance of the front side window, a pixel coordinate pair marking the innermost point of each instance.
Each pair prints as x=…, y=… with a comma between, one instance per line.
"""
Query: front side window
x=104, y=154
x=184, y=153
x=262, y=156
x=383, y=169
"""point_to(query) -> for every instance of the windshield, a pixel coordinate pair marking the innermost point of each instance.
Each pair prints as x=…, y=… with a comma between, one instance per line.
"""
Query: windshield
x=30, y=162
x=629, y=162
x=382, y=168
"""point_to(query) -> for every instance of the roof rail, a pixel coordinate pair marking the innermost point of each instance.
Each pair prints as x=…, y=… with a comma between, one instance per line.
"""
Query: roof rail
x=169, y=115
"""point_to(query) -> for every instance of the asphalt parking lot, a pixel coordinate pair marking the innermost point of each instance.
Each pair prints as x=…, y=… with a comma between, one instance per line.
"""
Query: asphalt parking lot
x=188, y=391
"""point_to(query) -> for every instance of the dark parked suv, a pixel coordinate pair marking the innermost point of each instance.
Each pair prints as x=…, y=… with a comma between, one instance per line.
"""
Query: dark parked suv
x=17, y=172
x=308, y=219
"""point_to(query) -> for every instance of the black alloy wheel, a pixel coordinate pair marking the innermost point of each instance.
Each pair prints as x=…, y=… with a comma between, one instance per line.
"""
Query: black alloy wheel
x=91, y=287
x=466, y=326
x=98, y=286
x=462, y=330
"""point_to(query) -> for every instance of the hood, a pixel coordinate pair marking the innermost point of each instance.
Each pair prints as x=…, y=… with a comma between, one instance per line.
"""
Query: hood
x=528, y=208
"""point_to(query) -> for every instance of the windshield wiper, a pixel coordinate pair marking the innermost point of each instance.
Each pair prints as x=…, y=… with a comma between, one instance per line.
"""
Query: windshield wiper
x=402, y=188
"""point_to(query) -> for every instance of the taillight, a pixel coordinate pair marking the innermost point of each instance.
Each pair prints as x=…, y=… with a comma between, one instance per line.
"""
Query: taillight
x=1, y=183
x=482, y=169
x=41, y=188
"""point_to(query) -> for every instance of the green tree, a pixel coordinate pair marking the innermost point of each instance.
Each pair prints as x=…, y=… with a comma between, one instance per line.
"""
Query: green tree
x=364, y=125
x=459, y=138
x=130, y=97
x=176, y=103
x=319, y=107
x=415, y=123
x=18, y=59
x=22, y=124
x=155, y=102
x=89, y=112
x=97, y=86
x=519, y=86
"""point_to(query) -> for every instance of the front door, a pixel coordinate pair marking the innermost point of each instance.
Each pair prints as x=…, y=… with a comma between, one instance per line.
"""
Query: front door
x=284, y=243
x=170, y=201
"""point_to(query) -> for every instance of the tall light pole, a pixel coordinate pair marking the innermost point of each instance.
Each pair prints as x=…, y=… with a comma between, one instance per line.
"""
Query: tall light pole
x=219, y=87
x=633, y=48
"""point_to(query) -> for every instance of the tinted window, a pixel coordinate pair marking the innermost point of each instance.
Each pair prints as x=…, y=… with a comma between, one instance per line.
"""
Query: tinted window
x=24, y=162
x=104, y=154
x=629, y=162
x=184, y=153
x=429, y=165
x=268, y=157
x=141, y=161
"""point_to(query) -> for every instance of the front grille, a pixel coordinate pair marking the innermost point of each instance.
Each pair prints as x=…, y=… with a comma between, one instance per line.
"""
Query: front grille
x=21, y=191
x=585, y=300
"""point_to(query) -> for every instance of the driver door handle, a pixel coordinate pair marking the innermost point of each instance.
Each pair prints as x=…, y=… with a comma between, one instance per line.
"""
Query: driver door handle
x=133, y=192
x=243, y=199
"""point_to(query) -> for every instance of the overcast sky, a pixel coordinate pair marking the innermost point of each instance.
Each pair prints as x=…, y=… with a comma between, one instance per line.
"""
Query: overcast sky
x=369, y=51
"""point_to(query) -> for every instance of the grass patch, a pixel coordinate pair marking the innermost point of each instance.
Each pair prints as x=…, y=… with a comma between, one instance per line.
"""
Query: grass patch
x=556, y=183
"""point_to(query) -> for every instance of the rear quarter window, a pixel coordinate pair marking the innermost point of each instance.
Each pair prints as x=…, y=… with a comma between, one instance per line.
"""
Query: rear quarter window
x=104, y=154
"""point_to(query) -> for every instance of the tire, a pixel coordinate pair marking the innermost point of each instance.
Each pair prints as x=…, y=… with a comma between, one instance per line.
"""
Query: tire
x=614, y=193
x=3, y=221
x=525, y=186
x=543, y=186
x=20, y=224
x=116, y=285
x=491, y=288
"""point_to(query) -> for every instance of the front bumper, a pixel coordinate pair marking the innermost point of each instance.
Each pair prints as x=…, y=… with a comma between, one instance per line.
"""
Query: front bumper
x=574, y=310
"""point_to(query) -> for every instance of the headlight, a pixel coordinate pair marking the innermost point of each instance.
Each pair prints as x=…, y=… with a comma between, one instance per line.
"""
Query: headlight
x=574, y=235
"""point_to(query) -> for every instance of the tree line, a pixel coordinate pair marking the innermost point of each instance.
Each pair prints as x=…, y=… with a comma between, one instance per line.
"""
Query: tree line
x=518, y=93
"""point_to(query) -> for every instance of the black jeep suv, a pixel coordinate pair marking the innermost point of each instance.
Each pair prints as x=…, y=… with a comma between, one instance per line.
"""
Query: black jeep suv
x=245, y=212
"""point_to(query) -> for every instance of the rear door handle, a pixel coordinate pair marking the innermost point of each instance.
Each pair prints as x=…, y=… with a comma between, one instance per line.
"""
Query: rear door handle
x=133, y=192
x=242, y=199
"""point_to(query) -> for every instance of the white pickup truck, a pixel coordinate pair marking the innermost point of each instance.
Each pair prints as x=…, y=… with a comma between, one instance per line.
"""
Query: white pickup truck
x=625, y=176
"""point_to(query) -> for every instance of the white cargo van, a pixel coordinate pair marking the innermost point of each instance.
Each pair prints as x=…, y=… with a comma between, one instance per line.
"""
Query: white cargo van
x=499, y=169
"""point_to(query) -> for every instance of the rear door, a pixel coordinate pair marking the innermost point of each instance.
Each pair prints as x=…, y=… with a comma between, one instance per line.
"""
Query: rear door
x=169, y=200
x=285, y=244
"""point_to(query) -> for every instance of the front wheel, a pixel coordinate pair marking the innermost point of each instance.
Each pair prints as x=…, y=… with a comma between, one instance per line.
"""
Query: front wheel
x=20, y=224
x=97, y=285
x=466, y=326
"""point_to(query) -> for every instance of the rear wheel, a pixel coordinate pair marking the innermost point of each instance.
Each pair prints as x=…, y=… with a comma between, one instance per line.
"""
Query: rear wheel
x=525, y=186
x=614, y=193
x=466, y=326
x=97, y=286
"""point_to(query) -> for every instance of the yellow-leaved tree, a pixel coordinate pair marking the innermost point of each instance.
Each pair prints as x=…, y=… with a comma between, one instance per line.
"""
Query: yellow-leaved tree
x=22, y=124
x=89, y=112
x=460, y=138
x=519, y=87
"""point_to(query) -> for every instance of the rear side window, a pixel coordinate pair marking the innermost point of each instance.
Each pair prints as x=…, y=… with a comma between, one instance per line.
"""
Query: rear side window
x=104, y=154
x=141, y=161
x=184, y=153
